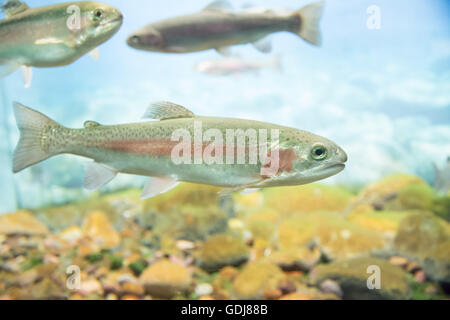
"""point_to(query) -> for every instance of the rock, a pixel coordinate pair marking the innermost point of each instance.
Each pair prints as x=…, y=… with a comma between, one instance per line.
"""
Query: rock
x=379, y=193
x=90, y=287
x=330, y=286
x=336, y=237
x=132, y=288
x=436, y=263
x=100, y=230
x=255, y=279
x=309, y=296
x=222, y=250
x=165, y=279
x=384, y=222
x=399, y=261
x=299, y=259
x=420, y=233
x=354, y=275
x=71, y=235
x=306, y=199
x=22, y=222
x=48, y=290
x=203, y=289
x=420, y=276
x=272, y=294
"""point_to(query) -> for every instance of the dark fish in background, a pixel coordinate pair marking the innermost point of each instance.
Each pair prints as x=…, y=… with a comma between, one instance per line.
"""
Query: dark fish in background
x=54, y=35
x=218, y=27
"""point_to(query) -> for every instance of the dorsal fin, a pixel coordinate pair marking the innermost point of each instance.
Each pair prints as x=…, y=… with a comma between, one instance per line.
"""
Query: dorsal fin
x=13, y=7
x=219, y=5
x=167, y=110
x=91, y=124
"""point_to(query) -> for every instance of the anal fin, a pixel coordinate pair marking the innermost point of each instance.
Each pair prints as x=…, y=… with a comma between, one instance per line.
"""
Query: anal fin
x=156, y=186
x=98, y=175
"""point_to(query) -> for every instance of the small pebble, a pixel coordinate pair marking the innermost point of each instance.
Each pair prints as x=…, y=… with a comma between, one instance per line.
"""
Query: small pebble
x=203, y=289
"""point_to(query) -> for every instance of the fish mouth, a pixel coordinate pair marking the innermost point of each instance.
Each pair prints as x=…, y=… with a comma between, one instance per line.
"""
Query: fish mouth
x=118, y=19
x=334, y=169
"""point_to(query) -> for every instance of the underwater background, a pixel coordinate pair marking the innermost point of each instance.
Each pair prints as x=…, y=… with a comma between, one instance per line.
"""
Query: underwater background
x=383, y=95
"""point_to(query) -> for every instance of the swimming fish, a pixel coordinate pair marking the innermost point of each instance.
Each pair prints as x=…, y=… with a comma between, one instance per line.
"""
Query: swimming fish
x=54, y=35
x=218, y=27
x=180, y=146
x=235, y=66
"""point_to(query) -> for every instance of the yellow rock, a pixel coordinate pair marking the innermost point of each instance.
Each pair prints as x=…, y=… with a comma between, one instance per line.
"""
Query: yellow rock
x=22, y=222
x=378, y=193
x=165, y=279
x=308, y=198
x=386, y=222
x=337, y=237
x=255, y=279
x=222, y=250
x=71, y=234
x=99, y=229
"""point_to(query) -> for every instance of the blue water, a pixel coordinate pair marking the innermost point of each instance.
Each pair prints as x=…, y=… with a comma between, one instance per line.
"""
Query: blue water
x=383, y=94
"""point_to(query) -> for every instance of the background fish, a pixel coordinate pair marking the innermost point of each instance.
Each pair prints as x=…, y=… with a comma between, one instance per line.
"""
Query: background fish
x=442, y=177
x=217, y=27
x=54, y=35
x=146, y=149
x=236, y=65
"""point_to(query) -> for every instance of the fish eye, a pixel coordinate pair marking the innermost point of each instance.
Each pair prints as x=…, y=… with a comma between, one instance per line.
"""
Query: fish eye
x=134, y=39
x=98, y=14
x=319, y=152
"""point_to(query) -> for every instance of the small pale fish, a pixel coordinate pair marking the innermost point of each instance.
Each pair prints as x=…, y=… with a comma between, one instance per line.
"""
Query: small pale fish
x=236, y=66
x=61, y=34
x=150, y=148
x=217, y=27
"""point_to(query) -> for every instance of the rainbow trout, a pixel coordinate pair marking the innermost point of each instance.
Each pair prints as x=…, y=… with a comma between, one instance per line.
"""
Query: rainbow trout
x=54, y=35
x=217, y=27
x=180, y=146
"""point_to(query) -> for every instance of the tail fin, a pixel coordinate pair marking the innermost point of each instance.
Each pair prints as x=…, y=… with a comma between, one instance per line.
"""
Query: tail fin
x=30, y=150
x=310, y=17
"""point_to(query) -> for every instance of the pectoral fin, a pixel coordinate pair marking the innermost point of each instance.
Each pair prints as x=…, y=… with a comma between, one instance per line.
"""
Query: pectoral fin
x=249, y=191
x=27, y=74
x=98, y=175
x=95, y=54
x=225, y=51
x=263, y=45
x=156, y=186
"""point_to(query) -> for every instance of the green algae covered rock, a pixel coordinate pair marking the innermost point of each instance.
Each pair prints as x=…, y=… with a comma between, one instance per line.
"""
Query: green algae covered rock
x=189, y=222
x=436, y=263
x=184, y=194
x=222, y=250
x=420, y=233
x=337, y=238
x=190, y=212
x=165, y=279
x=307, y=198
x=353, y=276
x=380, y=193
x=255, y=279
x=441, y=207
